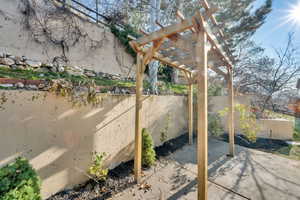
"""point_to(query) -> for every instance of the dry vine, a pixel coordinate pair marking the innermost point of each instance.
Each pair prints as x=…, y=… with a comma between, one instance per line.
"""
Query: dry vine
x=81, y=93
x=56, y=25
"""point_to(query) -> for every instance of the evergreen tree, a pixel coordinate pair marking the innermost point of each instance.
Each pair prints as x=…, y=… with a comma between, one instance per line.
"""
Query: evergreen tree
x=239, y=20
x=148, y=152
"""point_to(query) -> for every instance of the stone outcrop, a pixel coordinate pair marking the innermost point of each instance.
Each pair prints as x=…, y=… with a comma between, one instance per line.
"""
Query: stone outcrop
x=14, y=62
x=9, y=61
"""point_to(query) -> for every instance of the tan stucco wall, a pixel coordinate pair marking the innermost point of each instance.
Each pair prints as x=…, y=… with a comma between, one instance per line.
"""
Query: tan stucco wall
x=58, y=139
x=18, y=41
x=276, y=128
x=268, y=128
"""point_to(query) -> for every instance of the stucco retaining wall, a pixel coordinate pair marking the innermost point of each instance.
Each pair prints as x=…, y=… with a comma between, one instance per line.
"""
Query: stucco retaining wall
x=281, y=129
x=58, y=139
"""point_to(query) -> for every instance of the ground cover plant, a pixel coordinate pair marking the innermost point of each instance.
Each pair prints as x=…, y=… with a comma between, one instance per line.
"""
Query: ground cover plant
x=19, y=181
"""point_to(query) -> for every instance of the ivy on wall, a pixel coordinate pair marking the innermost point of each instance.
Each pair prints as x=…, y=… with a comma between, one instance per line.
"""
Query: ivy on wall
x=122, y=34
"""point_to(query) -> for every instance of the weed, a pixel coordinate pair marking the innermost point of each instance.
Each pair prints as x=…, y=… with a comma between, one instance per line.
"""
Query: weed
x=97, y=170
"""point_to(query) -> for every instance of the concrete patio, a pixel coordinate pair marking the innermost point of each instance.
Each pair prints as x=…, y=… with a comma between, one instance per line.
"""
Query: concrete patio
x=250, y=175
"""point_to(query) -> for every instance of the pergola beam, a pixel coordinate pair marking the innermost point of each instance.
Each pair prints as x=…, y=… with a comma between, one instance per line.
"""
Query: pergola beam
x=211, y=10
x=166, y=32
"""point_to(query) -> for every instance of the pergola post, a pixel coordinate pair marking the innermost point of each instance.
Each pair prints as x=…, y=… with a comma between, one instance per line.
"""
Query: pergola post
x=138, y=127
x=231, y=112
x=202, y=138
x=190, y=112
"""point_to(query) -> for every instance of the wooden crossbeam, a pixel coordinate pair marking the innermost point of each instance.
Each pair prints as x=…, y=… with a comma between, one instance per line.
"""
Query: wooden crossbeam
x=165, y=32
x=149, y=55
x=213, y=68
x=160, y=57
x=212, y=39
x=171, y=63
x=143, y=32
x=180, y=15
x=189, y=59
x=180, y=44
x=176, y=53
x=182, y=18
x=208, y=9
x=184, y=43
x=217, y=70
x=209, y=13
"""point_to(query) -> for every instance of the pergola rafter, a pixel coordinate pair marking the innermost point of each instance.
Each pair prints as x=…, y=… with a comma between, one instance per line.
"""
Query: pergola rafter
x=192, y=47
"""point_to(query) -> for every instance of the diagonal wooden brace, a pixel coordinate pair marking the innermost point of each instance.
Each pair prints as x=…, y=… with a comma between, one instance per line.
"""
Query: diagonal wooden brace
x=149, y=55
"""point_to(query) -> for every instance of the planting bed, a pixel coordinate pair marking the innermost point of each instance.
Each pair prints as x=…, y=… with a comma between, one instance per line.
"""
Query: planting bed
x=263, y=144
x=118, y=178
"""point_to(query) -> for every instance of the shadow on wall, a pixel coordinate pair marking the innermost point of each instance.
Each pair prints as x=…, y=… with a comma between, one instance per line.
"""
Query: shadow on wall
x=59, y=139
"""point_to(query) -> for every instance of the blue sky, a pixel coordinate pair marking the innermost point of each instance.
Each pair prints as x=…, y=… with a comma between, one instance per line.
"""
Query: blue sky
x=273, y=34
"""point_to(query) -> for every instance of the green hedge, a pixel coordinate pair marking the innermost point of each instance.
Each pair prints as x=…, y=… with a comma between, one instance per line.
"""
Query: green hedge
x=19, y=181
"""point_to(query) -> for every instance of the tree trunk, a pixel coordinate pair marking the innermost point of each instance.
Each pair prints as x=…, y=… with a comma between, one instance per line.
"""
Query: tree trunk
x=154, y=65
x=175, y=72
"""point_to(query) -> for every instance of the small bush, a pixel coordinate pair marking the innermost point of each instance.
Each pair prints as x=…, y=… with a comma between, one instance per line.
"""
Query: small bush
x=97, y=170
x=148, y=153
x=19, y=181
x=247, y=119
x=297, y=134
x=214, y=125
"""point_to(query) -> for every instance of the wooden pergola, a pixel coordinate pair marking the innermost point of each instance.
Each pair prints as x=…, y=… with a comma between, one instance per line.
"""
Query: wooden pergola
x=193, y=46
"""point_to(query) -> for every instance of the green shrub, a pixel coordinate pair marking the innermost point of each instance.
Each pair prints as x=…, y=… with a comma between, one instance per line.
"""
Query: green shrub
x=297, y=134
x=97, y=170
x=214, y=125
x=148, y=153
x=247, y=119
x=19, y=181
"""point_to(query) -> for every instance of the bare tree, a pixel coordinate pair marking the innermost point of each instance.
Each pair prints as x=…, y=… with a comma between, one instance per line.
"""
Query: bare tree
x=269, y=78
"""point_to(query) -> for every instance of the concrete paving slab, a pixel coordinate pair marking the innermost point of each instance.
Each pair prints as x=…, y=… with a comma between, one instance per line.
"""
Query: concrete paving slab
x=252, y=174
